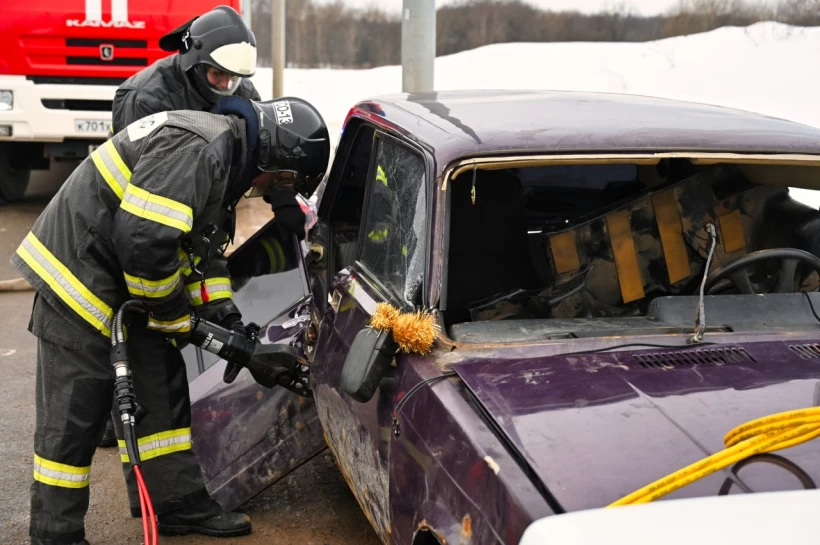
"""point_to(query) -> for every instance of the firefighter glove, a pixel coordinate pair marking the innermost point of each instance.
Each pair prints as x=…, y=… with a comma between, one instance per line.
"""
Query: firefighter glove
x=288, y=213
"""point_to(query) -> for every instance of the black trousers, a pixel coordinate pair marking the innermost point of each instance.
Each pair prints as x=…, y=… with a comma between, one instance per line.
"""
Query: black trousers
x=74, y=388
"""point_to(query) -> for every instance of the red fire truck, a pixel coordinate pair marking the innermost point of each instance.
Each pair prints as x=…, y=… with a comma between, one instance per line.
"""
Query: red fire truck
x=60, y=63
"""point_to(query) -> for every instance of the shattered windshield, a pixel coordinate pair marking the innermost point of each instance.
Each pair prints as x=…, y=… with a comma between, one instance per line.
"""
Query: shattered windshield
x=615, y=241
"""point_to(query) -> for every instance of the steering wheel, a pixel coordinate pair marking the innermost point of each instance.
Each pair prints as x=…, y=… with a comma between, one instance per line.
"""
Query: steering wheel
x=738, y=271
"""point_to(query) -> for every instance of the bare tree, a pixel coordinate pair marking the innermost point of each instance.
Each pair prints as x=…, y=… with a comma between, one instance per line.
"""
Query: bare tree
x=333, y=35
x=799, y=12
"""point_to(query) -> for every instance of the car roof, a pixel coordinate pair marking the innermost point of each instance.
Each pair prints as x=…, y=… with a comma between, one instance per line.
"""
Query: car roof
x=455, y=124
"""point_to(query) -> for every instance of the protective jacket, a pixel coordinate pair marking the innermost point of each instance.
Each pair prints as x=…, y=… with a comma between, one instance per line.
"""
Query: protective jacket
x=141, y=218
x=162, y=87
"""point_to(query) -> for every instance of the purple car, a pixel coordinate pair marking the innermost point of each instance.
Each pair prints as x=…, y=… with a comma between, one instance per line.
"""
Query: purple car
x=617, y=281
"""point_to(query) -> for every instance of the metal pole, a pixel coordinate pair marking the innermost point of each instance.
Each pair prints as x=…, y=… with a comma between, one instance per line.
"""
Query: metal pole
x=247, y=8
x=277, y=34
x=418, y=45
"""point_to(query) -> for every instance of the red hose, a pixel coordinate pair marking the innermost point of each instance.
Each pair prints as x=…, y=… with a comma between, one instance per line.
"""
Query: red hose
x=144, y=518
x=145, y=501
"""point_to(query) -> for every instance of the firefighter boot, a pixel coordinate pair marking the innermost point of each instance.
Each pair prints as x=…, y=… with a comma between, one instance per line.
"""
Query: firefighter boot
x=205, y=517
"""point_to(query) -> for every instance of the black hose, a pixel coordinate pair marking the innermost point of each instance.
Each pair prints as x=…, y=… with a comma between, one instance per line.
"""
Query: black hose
x=130, y=437
x=117, y=336
x=123, y=383
x=130, y=412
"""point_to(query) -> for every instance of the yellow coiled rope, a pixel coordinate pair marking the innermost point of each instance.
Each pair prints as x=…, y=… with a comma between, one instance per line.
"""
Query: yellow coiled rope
x=766, y=434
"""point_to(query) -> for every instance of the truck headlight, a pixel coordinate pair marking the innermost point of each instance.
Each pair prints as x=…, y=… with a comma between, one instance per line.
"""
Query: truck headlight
x=6, y=100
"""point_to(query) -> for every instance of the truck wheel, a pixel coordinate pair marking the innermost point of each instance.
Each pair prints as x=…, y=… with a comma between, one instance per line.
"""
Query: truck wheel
x=13, y=181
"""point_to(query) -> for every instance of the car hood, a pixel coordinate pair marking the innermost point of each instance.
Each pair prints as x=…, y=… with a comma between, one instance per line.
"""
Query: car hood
x=593, y=428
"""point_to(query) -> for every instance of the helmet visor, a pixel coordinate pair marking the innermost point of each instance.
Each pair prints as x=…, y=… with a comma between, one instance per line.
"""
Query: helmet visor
x=220, y=82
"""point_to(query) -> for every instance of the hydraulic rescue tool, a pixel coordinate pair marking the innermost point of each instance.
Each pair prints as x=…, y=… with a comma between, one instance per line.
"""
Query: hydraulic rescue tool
x=269, y=364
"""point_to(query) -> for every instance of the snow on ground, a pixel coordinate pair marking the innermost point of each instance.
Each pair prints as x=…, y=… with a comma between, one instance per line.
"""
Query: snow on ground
x=769, y=68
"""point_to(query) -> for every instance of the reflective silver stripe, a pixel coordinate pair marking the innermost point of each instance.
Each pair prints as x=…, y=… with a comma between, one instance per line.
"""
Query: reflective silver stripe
x=59, y=474
x=139, y=286
x=64, y=475
x=151, y=288
x=194, y=289
x=218, y=288
x=116, y=169
x=159, y=444
x=169, y=326
x=112, y=168
x=66, y=286
x=156, y=208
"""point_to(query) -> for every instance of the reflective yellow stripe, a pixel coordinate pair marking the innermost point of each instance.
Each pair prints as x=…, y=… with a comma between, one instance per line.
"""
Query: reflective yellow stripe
x=56, y=474
x=218, y=288
x=381, y=176
x=626, y=258
x=276, y=255
x=565, y=252
x=180, y=325
x=67, y=287
x=377, y=235
x=141, y=287
x=112, y=168
x=731, y=231
x=669, y=227
x=162, y=210
x=159, y=444
x=185, y=264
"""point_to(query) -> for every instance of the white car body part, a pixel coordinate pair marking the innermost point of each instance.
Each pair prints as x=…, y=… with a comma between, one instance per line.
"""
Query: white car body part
x=763, y=518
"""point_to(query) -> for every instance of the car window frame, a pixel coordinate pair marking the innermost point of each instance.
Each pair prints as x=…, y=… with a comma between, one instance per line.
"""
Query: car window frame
x=365, y=274
x=334, y=183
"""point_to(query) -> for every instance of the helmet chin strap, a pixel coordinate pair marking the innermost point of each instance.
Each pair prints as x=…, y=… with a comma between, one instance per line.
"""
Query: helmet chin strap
x=243, y=108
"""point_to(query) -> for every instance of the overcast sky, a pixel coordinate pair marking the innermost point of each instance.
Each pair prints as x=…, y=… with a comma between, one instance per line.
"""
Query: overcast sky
x=643, y=7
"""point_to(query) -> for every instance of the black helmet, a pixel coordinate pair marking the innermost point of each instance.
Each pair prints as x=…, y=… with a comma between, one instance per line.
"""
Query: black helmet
x=293, y=143
x=218, y=39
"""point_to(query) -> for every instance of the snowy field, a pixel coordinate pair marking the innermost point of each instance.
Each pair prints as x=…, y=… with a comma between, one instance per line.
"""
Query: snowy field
x=769, y=68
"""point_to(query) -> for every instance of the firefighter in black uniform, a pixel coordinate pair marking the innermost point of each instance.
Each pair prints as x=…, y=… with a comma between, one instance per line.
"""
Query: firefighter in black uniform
x=216, y=53
x=128, y=223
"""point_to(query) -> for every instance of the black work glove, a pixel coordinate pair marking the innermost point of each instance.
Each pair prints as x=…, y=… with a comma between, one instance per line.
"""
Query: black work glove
x=289, y=215
x=231, y=368
x=246, y=330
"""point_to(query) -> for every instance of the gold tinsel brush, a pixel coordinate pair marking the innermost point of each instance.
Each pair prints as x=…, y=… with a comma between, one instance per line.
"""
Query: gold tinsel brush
x=414, y=332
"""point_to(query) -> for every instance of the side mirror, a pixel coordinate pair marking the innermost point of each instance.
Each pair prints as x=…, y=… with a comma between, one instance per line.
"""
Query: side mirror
x=367, y=363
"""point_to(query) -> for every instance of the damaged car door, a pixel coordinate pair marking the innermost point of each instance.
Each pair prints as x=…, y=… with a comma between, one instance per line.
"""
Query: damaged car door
x=387, y=263
x=245, y=435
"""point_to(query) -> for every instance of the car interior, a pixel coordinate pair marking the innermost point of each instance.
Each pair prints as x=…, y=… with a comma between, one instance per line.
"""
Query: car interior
x=570, y=251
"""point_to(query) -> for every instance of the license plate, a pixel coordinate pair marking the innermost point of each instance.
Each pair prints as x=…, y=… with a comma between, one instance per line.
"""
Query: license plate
x=92, y=125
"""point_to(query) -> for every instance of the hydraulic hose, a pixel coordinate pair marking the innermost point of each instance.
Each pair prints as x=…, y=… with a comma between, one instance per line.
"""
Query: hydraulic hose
x=130, y=413
x=763, y=435
x=145, y=502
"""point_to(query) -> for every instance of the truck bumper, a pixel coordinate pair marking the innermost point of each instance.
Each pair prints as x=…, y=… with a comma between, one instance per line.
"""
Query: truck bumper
x=44, y=112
